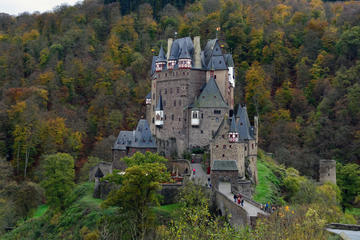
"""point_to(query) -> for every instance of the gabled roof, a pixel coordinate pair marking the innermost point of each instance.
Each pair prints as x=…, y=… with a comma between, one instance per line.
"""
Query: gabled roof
x=224, y=165
x=213, y=58
x=243, y=125
x=159, y=105
x=161, y=57
x=210, y=96
x=141, y=137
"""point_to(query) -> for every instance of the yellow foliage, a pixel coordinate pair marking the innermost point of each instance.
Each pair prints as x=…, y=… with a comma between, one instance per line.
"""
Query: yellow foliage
x=46, y=77
x=29, y=36
x=281, y=12
x=16, y=109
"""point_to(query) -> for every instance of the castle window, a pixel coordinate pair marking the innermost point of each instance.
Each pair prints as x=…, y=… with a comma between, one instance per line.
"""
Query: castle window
x=153, y=120
x=252, y=145
x=184, y=73
x=201, y=131
x=229, y=146
x=214, y=76
x=217, y=146
x=202, y=115
x=241, y=123
x=223, y=136
x=217, y=111
x=165, y=74
x=220, y=62
x=179, y=102
x=223, y=155
x=245, y=148
x=165, y=90
x=174, y=103
x=177, y=90
x=217, y=120
x=165, y=116
x=170, y=90
x=179, y=119
x=154, y=96
x=224, y=146
x=172, y=116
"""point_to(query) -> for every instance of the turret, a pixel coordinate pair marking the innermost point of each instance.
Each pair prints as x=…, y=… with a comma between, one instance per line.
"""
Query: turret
x=184, y=58
x=160, y=61
x=159, y=113
x=233, y=132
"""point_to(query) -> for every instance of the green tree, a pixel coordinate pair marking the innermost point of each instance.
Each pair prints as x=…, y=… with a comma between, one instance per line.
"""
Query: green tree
x=136, y=196
x=58, y=179
x=348, y=179
x=140, y=159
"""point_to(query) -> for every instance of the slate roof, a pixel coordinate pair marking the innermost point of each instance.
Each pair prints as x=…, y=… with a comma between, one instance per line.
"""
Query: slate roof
x=153, y=65
x=161, y=57
x=210, y=96
x=99, y=173
x=148, y=96
x=233, y=127
x=243, y=124
x=159, y=105
x=213, y=58
x=224, y=165
x=183, y=46
x=229, y=60
x=141, y=137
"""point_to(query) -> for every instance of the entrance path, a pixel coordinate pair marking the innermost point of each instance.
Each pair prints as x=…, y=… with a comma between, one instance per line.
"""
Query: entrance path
x=200, y=177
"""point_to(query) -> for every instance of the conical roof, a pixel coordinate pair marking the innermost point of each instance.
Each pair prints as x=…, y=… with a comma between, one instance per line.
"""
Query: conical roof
x=243, y=124
x=99, y=173
x=159, y=105
x=233, y=127
x=161, y=57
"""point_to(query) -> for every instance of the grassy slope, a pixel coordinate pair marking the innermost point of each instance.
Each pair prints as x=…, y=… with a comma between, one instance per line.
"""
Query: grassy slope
x=266, y=190
x=83, y=211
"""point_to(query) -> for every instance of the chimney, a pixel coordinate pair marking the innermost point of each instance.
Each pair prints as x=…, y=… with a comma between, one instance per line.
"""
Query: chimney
x=197, y=54
x=170, y=42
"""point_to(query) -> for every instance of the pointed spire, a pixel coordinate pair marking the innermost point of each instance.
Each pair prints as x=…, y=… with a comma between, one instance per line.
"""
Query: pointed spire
x=243, y=124
x=161, y=57
x=238, y=113
x=99, y=173
x=233, y=127
x=159, y=106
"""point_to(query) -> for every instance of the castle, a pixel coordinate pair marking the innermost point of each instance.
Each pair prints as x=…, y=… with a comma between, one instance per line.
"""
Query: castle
x=191, y=106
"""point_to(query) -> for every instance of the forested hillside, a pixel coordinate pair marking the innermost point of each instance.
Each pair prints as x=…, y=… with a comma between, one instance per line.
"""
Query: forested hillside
x=72, y=78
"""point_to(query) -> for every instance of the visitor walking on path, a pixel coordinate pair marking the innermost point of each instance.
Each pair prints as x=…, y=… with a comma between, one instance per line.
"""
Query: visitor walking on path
x=235, y=198
x=194, y=171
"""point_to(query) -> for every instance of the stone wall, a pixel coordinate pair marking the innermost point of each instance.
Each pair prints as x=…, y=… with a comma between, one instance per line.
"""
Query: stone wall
x=239, y=216
x=327, y=171
x=170, y=193
x=200, y=136
x=223, y=176
x=245, y=187
x=105, y=167
x=183, y=166
x=221, y=149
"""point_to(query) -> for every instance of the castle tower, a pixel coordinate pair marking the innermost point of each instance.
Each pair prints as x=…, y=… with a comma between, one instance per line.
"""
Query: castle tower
x=327, y=171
